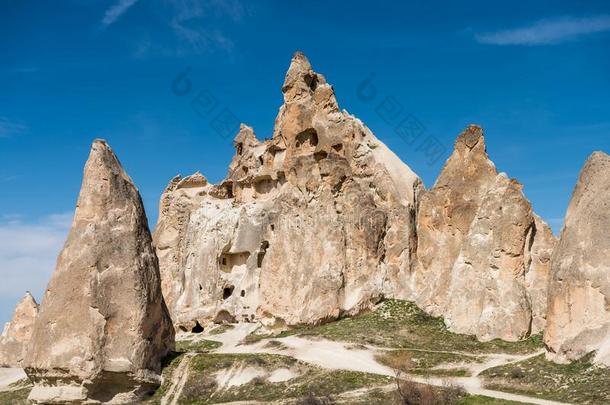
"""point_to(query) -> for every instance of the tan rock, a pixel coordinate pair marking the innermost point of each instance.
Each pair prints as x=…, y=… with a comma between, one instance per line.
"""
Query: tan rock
x=103, y=327
x=17, y=332
x=578, y=318
x=316, y=222
x=483, y=255
x=445, y=215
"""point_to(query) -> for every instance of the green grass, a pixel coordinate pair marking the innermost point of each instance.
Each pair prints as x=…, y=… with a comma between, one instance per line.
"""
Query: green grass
x=199, y=346
x=221, y=329
x=418, y=362
x=18, y=397
x=202, y=388
x=400, y=324
x=171, y=362
x=579, y=382
x=481, y=400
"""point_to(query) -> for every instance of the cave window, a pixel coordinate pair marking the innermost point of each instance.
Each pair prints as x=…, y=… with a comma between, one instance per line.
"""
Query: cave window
x=240, y=148
x=261, y=253
x=227, y=292
x=224, y=261
x=309, y=136
x=320, y=155
x=197, y=328
x=243, y=293
x=338, y=147
x=230, y=190
x=272, y=227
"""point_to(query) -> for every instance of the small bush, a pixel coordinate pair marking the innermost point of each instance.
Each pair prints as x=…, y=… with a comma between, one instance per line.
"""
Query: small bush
x=517, y=372
x=311, y=399
x=412, y=393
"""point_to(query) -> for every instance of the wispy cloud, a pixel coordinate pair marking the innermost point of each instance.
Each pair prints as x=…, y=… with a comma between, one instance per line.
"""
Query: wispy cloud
x=548, y=31
x=28, y=251
x=113, y=13
x=196, y=26
x=10, y=127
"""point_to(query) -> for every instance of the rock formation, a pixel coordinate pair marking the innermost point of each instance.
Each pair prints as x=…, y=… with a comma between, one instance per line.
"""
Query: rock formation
x=578, y=319
x=103, y=326
x=17, y=332
x=483, y=255
x=316, y=222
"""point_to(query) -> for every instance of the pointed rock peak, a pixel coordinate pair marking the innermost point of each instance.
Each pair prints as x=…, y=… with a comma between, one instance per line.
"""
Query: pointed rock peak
x=29, y=300
x=300, y=78
x=194, y=180
x=245, y=137
x=471, y=137
x=103, y=162
x=598, y=156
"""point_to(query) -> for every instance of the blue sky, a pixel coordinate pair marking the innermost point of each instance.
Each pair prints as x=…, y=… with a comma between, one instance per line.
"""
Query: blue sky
x=534, y=74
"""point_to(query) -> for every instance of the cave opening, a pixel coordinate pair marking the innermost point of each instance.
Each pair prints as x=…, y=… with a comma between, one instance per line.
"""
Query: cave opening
x=197, y=328
x=227, y=292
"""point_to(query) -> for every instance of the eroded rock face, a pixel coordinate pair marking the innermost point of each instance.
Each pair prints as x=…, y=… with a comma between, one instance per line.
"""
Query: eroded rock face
x=103, y=326
x=17, y=332
x=316, y=222
x=578, y=319
x=483, y=255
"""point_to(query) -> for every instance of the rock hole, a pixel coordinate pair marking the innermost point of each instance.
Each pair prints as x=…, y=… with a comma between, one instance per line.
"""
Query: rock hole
x=182, y=328
x=272, y=227
x=240, y=148
x=229, y=188
x=308, y=138
x=261, y=253
x=312, y=81
x=338, y=147
x=224, y=317
x=243, y=293
x=320, y=155
x=200, y=287
x=227, y=292
x=260, y=160
x=197, y=328
x=245, y=170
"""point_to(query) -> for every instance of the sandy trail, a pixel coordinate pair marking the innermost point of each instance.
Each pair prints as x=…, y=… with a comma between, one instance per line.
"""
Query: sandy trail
x=336, y=355
x=179, y=378
x=9, y=376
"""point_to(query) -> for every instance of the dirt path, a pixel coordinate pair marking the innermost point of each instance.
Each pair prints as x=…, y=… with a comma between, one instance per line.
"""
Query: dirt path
x=336, y=355
x=179, y=378
x=9, y=376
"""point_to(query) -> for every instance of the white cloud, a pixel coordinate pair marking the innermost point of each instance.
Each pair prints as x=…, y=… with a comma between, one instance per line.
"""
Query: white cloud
x=548, y=31
x=10, y=128
x=116, y=11
x=28, y=252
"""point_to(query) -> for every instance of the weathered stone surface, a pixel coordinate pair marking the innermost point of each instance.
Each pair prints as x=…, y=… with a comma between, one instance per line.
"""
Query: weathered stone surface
x=316, y=222
x=578, y=319
x=17, y=332
x=483, y=255
x=103, y=326
x=445, y=214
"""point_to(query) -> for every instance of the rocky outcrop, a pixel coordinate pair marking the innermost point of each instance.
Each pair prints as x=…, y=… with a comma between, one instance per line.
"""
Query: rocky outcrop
x=483, y=255
x=316, y=222
x=578, y=319
x=103, y=326
x=17, y=332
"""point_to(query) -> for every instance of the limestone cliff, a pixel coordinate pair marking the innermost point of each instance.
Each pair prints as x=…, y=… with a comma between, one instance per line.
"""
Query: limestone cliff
x=316, y=222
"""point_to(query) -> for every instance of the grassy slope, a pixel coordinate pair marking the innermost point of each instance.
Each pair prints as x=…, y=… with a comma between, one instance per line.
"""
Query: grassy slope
x=579, y=382
x=400, y=324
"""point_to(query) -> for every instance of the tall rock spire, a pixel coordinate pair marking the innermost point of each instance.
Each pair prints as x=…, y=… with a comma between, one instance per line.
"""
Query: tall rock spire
x=578, y=319
x=482, y=254
x=17, y=332
x=103, y=326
